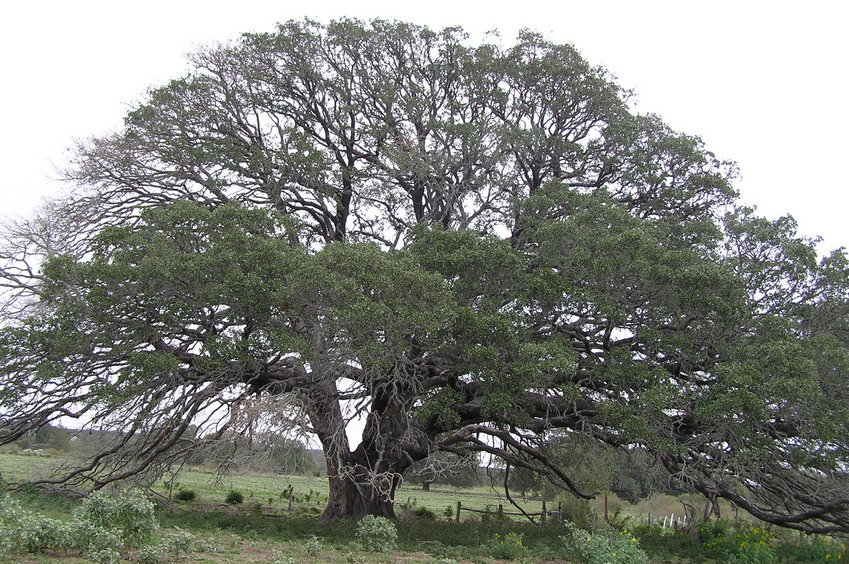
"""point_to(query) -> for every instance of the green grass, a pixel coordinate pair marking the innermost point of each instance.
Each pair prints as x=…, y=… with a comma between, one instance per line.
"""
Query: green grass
x=309, y=493
x=271, y=491
x=264, y=529
x=22, y=468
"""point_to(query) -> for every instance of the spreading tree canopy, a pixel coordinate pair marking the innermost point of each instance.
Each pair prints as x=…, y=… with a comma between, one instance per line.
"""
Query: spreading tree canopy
x=456, y=248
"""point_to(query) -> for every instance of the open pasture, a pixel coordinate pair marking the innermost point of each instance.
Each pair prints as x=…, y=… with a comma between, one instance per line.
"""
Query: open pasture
x=283, y=494
x=266, y=529
x=271, y=493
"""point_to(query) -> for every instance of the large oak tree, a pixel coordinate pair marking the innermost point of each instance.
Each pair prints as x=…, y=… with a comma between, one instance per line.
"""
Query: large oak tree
x=467, y=249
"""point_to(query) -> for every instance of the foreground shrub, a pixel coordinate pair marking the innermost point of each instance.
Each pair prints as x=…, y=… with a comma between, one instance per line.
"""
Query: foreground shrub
x=27, y=532
x=812, y=549
x=22, y=531
x=603, y=544
x=508, y=546
x=377, y=534
x=664, y=543
x=132, y=514
x=313, y=546
x=177, y=541
x=742, y=543
x=149, y=555
x=746, y=543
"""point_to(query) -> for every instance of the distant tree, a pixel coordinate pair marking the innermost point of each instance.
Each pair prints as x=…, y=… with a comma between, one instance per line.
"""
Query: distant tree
x=468, y=249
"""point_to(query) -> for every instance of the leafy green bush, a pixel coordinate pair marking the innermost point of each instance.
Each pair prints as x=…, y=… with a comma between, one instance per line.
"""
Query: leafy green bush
x=234, y=497
x=132, y=514
x=603, y=544
x=94, y=539
x=354, y=558
x=27, y=532
x=753, y=546
x=185, y=495
x=177, y=541
x=377, y=534
x=22, y=531
x=105, y=556
x=741, y=544
x=313, y=546
x=716, y=535
x=422, y=513
x=149, y=555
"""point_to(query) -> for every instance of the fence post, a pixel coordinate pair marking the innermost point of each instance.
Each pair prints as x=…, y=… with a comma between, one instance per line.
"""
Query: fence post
x=542, y=517
x=500, y=512
x=560, y=511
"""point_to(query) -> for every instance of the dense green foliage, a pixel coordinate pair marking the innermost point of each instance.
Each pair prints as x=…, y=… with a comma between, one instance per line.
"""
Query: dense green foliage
x=377, y=533
x=100, y=527
x=604, y=545
x=479, y=251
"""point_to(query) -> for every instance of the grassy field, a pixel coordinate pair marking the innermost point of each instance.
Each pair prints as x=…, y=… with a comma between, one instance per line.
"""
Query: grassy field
x=271, y=493
x=266, y=529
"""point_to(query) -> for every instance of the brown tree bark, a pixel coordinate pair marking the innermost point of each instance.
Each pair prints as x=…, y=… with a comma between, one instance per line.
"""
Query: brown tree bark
x=354, y=497
x=356, y=487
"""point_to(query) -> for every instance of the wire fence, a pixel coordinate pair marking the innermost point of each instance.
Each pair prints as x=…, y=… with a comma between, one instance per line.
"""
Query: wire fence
x=556, y=515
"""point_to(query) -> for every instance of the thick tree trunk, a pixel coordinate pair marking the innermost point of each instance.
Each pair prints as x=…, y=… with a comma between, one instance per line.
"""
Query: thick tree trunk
x=360, y=483
x=363, y=481
x=353, y=497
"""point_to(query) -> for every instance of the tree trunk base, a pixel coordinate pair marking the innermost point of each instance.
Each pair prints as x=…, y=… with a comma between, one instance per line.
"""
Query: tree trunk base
x=349, y=499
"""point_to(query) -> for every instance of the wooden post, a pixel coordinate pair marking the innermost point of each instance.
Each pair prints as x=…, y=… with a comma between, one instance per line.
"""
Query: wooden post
x=459, y=506
x=500, y=512
x=606, y=517
x=560, y=511
x=542, y=516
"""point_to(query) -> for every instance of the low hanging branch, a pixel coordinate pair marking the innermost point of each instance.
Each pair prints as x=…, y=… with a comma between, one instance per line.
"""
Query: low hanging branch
x=510, y=499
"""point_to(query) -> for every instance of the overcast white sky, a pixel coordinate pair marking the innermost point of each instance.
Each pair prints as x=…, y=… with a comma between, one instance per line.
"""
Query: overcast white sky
x=763, y=83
